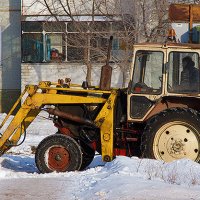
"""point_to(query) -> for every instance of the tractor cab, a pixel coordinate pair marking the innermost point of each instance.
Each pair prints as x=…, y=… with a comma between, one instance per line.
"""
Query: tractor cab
x=164, y=97
x=160, y=71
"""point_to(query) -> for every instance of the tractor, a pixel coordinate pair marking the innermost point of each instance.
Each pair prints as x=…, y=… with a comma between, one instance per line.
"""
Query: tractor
x=157, y=116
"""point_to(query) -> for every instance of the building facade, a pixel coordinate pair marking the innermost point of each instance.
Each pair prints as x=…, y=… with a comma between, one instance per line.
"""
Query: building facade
x=10, y=53
x=59, y=41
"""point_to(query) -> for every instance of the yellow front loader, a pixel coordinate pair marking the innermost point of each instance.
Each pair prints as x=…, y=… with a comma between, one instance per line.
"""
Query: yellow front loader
x=73, y=147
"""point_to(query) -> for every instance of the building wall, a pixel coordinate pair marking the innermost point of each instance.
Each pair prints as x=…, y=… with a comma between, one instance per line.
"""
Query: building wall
x=33, y=73
x=10, y=70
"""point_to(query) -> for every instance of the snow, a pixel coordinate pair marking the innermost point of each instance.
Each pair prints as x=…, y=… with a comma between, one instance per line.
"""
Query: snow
x=124, y=178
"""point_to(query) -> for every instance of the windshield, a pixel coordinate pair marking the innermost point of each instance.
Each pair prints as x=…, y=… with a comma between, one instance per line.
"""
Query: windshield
x=147, y=75
x=183, y=74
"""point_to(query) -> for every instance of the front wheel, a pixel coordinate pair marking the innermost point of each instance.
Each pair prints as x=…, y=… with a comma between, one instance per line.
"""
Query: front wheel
x=172, y=134
x=58, y=153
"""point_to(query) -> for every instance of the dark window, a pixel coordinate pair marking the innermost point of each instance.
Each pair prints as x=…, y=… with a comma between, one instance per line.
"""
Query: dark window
x=32, y=47
x=99, y=45
x=118, y=26
x=55, y=47
x=48, y=45
x=77, y=26
x=54, y=27
x=100, y=26
x=147, y=74
x=183, y=73
x=31, y=26
x=70, y=41
x=76, y=43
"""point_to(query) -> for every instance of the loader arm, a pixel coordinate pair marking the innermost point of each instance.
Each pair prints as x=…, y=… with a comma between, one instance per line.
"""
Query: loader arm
x=47, y=93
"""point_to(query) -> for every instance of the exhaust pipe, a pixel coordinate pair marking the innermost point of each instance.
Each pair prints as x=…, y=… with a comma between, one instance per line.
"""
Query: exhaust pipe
x=70, y=117
x=106, y=70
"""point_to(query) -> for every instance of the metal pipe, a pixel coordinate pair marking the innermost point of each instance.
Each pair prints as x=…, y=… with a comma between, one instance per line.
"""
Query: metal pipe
x=70, y=117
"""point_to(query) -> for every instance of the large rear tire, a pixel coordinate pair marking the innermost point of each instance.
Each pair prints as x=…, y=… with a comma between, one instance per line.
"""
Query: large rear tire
x=58, y=153
x=172, y=134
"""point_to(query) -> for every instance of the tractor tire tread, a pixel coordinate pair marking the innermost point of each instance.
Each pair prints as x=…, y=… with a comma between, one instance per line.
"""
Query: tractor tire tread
x=149, y=130
x=58, y=139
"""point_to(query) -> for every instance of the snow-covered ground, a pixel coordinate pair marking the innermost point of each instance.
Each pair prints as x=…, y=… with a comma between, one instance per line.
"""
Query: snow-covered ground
x=124, y=178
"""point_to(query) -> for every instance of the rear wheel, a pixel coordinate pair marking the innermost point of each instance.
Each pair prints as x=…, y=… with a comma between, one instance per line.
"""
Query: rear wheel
x=58, y=153
x=172, y=134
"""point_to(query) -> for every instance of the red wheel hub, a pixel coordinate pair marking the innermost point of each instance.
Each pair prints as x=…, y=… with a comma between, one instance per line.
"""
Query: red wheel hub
x=58, y=159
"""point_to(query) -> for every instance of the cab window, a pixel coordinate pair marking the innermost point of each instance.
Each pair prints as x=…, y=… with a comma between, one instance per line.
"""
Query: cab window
x=183, y=73
x=147, y=75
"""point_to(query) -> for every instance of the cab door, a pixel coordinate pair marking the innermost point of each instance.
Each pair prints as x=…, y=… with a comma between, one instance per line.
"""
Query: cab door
x=146, y=85
x=183, y=78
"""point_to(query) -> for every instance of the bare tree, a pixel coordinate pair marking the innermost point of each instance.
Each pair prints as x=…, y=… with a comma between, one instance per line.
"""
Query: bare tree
x=152, y=20
x=91, y=22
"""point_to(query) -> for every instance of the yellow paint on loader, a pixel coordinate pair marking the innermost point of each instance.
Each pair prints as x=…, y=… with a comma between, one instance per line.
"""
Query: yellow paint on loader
x=104, y=121
x=47, y=94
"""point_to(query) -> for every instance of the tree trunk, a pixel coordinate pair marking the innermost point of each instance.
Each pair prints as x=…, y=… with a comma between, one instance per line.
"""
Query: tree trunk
x=124, y=78
x=88, y=64
x=89, y=73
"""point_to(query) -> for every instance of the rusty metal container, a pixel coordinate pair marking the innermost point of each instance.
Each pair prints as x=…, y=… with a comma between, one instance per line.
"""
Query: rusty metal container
x=106, y=71
x=106, y=74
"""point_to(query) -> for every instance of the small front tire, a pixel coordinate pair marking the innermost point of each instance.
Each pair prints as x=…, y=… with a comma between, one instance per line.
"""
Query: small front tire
x=58, y=153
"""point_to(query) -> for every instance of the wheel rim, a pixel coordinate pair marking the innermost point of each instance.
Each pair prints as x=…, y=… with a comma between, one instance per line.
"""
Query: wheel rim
x=176, y=140
x=57, y=158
